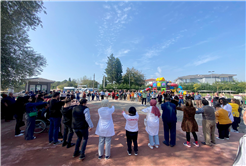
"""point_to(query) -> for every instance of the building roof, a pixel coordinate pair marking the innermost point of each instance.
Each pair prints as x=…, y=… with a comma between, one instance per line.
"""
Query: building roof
x=38, y=79
x=152, y=79
x=205, y=76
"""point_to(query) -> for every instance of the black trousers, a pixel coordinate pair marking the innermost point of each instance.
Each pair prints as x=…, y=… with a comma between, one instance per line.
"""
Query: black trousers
x=132, y=137
x=102, y=97
x=124, y=97
x=223, y=130
x=81, y=134
x=188, y=136
x=67, y=131
x=9, y=113
x=236, y=122
x=18, y=124
x=92, y=98
x=144, y=100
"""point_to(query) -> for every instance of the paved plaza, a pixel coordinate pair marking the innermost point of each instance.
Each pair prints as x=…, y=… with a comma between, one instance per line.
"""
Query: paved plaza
x=17, y=151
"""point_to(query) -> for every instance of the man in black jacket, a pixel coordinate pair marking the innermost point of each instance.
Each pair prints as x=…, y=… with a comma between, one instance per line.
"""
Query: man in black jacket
x=80, y=123
x=67, y=121
x=55, y=118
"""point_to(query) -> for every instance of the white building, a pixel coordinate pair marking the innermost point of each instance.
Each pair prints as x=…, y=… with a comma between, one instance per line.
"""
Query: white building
x=149, y=81
x=209, y=78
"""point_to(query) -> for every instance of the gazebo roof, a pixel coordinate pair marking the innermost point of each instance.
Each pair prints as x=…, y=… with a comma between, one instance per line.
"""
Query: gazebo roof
x=38, y=79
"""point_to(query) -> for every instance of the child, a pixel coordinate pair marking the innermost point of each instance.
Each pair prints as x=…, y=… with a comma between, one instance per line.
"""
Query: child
x=116, y=95
x=136, y=96
x=131, y=129
x=98, y=96
x=132, y=96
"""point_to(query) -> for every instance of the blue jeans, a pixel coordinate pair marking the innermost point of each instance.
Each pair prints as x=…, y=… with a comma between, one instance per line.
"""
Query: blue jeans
x=30, y=127
x=170, y=126
x=151, y=141
x=181, y=101
x=54, y=129
x=81, y=133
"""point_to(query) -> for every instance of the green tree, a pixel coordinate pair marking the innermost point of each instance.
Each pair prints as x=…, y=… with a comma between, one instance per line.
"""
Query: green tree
x=86, y=81
x=136, y=77
x=118, y=71
x=18, y=59
x=69, y=79
x=114, y=70
x=196, y=86
x=218, y=85
x=110, y=70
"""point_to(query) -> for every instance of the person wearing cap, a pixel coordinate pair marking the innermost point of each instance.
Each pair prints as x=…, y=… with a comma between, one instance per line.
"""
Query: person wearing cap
x=55, y=118
x=105, y=128
x=81, y=122
x=31, y=117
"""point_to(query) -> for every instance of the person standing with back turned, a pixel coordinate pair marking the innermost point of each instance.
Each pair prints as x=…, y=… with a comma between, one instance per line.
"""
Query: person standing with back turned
x=81, y=121
x=208, y=123
x=169, y=119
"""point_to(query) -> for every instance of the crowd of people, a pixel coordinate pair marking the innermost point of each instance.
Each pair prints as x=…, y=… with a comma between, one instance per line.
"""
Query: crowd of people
x=76, y=118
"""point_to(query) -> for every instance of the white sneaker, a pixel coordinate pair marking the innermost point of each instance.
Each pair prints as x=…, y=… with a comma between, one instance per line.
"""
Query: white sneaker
x=227, y=138
x=156, y=146
x=151, y=147
x=34, y=137
x=219, y=138
x=19, y=135
x=22, y=131
x=58, y=142
x=236, y=131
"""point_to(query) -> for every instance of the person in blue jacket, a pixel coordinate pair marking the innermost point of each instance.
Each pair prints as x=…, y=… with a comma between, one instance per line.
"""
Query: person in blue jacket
x=169, y=119
x=30, y=126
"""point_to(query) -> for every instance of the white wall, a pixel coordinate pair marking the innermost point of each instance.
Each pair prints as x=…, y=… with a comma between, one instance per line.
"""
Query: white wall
x=204, y=80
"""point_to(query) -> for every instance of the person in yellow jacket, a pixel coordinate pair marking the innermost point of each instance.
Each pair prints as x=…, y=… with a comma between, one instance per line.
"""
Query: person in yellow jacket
x=223, y=122
x=235, y=114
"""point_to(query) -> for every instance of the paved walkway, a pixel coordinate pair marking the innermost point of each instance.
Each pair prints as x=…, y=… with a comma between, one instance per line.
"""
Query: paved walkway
x=17, y=151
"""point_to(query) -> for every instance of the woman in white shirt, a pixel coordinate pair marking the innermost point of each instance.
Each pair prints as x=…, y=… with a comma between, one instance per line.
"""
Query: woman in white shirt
x=152, y=124
x=105, y=128
x=106, y=94
x=131, y=129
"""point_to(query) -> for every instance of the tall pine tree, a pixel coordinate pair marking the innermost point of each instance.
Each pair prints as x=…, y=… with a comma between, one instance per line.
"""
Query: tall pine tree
x=113, y=70
x=118, y=68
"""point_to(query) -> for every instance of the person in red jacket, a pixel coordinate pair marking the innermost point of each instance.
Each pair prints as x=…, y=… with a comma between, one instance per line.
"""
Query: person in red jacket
x=113, y=95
